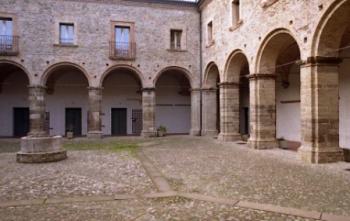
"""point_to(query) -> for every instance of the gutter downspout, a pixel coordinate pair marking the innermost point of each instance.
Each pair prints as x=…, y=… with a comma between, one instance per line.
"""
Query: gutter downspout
x=201, y=72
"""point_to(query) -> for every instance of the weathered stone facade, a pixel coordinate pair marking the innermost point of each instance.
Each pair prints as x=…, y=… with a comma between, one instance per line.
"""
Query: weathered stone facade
x=292, y=61
x=273, y=35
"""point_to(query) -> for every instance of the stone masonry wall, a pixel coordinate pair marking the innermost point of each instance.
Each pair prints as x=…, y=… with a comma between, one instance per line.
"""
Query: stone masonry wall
x=37, y=25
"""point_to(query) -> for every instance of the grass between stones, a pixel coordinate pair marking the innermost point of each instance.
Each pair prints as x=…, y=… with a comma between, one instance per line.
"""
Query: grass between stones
x=130, y=147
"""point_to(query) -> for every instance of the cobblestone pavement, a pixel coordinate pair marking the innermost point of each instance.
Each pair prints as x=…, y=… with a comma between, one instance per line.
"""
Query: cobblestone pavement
x=84, y=173
x=190, y=165
x=230, y=170
x=141, y=210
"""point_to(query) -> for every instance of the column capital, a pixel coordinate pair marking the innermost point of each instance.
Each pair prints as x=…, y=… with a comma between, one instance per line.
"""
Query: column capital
x=320, y=60
x=195, y=90
x=209, y=89
x=39, y=86
x=148, y=89
x=229, y=84
x=258, y=76
x=95, y=88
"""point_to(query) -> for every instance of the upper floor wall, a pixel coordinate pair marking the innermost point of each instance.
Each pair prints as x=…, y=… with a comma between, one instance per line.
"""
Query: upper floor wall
x=37, y=24
x=257, y=19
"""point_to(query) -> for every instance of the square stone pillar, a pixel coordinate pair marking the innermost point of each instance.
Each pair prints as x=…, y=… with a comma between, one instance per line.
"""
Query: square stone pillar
x=149, y=112
x=262, y=111
x=229, y=111
x=320, y=110
x=195, y=112
x=94, y=113
x=209, y=112
x=38, y=146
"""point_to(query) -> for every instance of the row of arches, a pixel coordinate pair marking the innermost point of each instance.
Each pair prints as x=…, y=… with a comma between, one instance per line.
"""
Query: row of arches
x=296, y=95
x=71, y=104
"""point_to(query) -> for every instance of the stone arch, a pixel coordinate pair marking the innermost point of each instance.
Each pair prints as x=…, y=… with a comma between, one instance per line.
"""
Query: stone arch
x=173, y=100
x=211, y=76
x=272, y=46
x=19, y=66
x=56, y=66
x=14, y=102
x=329, y=33
x=132, y=69
x=235, y=63
x=184, y=71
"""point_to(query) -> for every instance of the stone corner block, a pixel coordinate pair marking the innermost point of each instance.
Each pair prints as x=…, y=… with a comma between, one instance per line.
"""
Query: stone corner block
x=262, y=144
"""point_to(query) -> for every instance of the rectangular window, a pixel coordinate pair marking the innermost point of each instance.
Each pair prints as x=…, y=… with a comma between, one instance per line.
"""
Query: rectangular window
x=122, y=40
x=66, y=33
x=175, y=39
x=210, y=32
x=6, y=35
x=6, y=27
x=235, y=12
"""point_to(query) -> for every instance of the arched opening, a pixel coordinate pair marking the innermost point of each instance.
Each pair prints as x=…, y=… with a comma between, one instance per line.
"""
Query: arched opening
x=244, y=105
x=333, y=42
x=122, y=103
x=280, y=55
x=237, y=72
x=173, y=101
x=14, y=111
x=66, y=100
x=211, y=101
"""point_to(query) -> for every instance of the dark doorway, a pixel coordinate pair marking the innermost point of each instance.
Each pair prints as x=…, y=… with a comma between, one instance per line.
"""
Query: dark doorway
x=73, y=120
x=246, y=120
x=136, y=121
x=119, y=116
x=20, y=121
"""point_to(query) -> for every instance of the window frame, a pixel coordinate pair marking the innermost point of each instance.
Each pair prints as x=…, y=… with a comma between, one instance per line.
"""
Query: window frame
x=59, y=35
x=175, y=39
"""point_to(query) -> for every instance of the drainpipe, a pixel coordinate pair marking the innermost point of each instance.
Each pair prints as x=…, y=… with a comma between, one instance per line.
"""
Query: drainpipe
x=201, y=71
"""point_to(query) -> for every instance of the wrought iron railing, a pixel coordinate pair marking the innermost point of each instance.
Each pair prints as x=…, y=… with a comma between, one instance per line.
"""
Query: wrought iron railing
x=9, y=45
x=122, y=50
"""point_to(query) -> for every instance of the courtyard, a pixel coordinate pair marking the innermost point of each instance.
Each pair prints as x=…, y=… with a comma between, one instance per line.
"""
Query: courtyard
x=171, y=178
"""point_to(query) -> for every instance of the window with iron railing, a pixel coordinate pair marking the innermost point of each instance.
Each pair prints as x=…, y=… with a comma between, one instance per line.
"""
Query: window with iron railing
x=66, y=34
x=8, y=42
x=122, y=47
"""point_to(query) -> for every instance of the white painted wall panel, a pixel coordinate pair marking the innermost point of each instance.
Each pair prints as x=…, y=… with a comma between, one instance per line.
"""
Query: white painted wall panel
x=288, y=124
x=344, y=102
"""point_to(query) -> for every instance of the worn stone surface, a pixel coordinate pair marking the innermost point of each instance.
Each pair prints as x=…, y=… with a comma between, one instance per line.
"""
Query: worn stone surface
x=235, y=171
x=159, y=209
x=84, y=173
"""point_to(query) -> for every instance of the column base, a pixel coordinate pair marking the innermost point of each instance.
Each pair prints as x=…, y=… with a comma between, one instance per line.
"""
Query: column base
x=262, y=144
x=147, y=134
x=195, y=132
x=210, y=133
x=41, y=150
x=95, y=134
x=227, y=137
x=329, y=155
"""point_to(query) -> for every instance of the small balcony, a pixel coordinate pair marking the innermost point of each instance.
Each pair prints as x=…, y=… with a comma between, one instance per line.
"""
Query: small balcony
x=9, y=45
x=122, y=50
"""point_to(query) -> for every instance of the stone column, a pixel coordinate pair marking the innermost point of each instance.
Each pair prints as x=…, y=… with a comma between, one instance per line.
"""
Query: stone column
x=262, y=111
x=94, y=114
x=209, y=112
x=320, y=110
x=38, y=147
x=195, y=112
x=229, y=111
x=37, y=111
x=148, y=112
